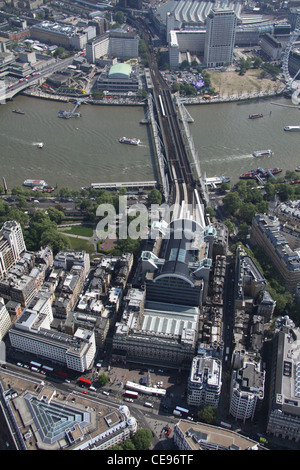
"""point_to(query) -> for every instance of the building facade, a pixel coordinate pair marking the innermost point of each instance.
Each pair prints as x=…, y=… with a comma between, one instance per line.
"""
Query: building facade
x=205, y=382
x=5, y=321
x=247, y=390
x=266, y=232
x=32, y=333
x=284, y=407
x=220, y=38
x=12, y=245
x=114, y=44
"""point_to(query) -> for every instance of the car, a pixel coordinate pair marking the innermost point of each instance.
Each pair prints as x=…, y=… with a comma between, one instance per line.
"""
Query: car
x=85, y=392
x=105, y=393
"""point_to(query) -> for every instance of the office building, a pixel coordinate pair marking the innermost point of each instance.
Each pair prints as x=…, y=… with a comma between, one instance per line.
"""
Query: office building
x=61, y=34
x=67, y=259
x=247, y=390
x=205, y=381
x=271, y=46
x=189, y=436
x=284, y=406
x=179, y=272
x=5, y=321
x=43, y=417
x=113, y=44
x=175, y=276
x=266, y=232
x=220, y=37
x=31, y=333
x=12, y=245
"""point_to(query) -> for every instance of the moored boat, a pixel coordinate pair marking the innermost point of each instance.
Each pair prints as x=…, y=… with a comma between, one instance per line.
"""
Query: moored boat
x=18, y=111
x=130, y=141
x=255, y=116
x=262, y=153
x=261, y=172
x=297, y=168
x=34, y=183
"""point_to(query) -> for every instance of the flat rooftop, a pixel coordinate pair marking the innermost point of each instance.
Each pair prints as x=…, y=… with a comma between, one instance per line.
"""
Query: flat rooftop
x=50, y=418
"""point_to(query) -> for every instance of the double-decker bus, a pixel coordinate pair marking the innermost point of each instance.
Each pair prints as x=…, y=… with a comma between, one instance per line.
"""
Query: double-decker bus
x=85, y=382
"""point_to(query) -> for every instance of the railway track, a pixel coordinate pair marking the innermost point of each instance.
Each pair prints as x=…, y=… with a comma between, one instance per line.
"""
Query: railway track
x=180, y=172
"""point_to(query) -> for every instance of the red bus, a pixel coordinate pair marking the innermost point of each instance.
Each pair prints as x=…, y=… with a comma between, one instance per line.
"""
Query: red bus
x=83, y=381
x=131, y=394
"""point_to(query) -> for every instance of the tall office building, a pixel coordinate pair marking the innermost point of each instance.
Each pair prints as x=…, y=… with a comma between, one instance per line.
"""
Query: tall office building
x=220, y=37
x=205, y=381
x=12, y=245
x=284, y=415
x=5, y=321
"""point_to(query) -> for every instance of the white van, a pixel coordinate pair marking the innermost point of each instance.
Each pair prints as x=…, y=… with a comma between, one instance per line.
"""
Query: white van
x=92, y=388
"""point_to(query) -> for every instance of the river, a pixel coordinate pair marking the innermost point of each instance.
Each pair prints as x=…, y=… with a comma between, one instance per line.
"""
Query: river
x=85, y=150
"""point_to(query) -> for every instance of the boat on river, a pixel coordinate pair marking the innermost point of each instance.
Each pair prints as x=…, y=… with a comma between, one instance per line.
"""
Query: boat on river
x=292, y=128
x=263, y=153
x=128, y=140
x=261, y=172
x=255, y=116
x=18, y=111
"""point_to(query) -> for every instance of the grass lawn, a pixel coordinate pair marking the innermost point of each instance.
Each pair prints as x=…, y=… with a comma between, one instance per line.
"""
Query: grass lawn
x=80, y=244
x=77, y=230
x=230, y=83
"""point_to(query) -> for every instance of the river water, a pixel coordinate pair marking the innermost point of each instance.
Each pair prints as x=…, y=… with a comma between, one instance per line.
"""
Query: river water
x=85, y=150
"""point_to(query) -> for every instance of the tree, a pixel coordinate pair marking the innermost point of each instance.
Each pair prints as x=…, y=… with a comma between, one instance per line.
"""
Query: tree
x=119, y=17
x=230, y=226
x=55, y=215
x=142, y=439
x=103, y=379
x=207, y=414
x=128, y=445
x=232, y=203
x=57, y=241
x=155, y=197
x=257, y=62
x=247, y=212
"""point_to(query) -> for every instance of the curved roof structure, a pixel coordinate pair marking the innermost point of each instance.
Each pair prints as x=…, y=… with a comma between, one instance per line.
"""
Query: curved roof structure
x=120, y=71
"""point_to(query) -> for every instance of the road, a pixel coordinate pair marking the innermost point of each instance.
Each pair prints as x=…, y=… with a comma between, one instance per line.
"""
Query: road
x=48, y=70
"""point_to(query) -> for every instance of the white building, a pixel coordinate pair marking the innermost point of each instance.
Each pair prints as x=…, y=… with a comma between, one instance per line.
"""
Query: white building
x=247, y=389
x=12, y=245
x=5, y=321
x=114, y=44
x=32, y=333
x=67, y=259
x=182, y=41
x=220, y=37
x=205, y=381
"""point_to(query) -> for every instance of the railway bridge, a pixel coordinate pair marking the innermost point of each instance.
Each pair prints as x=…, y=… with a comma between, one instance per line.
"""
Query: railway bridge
x=178, y=163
